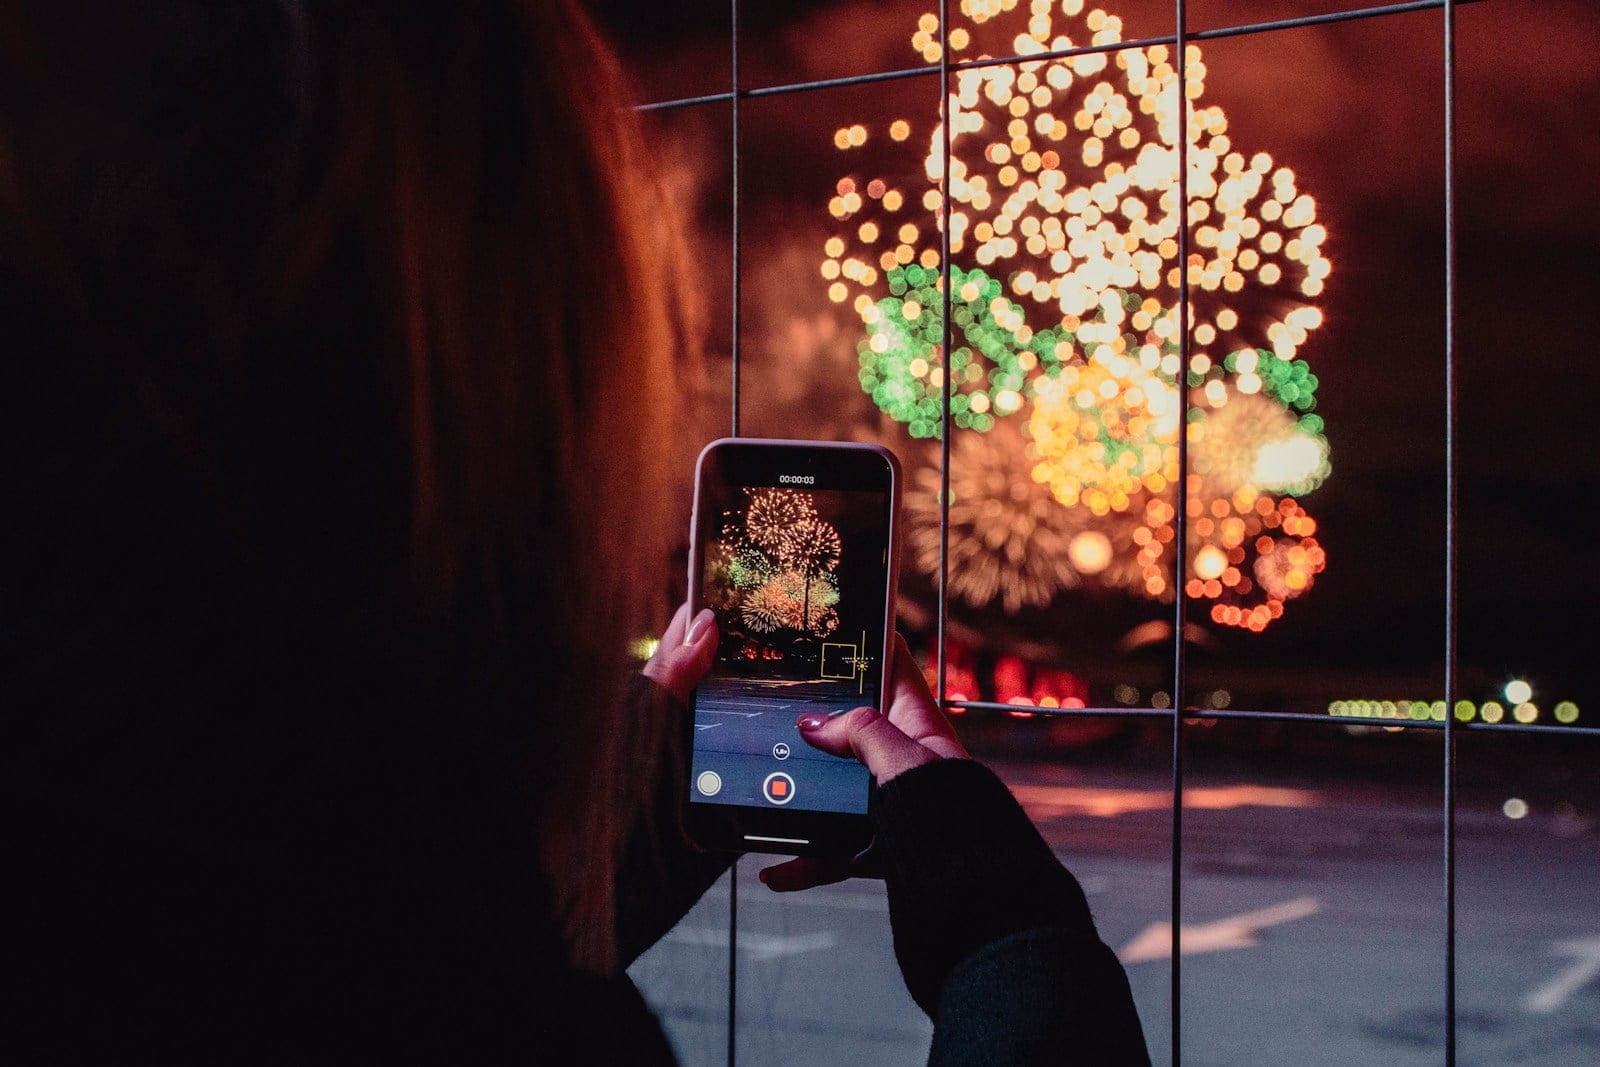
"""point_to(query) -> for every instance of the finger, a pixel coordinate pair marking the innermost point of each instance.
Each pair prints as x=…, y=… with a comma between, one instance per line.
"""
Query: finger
x=913, y=709
x=805, y=872
x=868, y=736
x=675, y=629
x=683, y=658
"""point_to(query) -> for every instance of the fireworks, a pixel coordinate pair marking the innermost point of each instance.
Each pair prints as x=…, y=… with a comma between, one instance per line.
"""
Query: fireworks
x=772, y=513
x=810, y=545
x=788, y=601
x=1105, y=428
x=774, y=561
x=1062, y=205
x=1252, y=441
x=1009, y=538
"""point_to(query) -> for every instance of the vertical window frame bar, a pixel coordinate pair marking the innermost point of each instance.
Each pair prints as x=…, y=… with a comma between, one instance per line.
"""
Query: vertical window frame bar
x=1451, y=534
x=1180, y=528
x=946, y=275
x=734, y=431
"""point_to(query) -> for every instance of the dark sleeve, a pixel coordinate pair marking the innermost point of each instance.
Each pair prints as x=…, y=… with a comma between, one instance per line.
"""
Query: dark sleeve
x=662, y=873
x=992, y=933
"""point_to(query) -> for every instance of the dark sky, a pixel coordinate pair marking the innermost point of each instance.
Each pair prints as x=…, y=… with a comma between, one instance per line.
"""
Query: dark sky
x=1355, y=108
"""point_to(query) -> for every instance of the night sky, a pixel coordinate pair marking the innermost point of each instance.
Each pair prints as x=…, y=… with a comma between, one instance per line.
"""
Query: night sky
x=1355, y=108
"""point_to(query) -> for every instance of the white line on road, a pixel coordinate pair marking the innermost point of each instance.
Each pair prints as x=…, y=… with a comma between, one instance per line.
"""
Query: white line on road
x=1583, y=970
x=757, y=946
x=1236, y=931
x=820, y=897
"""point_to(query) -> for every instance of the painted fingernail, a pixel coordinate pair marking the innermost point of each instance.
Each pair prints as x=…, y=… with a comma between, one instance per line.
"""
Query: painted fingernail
x=811, y=721
x=702, y=623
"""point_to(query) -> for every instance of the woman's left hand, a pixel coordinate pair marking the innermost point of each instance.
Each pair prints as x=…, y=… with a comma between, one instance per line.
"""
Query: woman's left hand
x=683, y=657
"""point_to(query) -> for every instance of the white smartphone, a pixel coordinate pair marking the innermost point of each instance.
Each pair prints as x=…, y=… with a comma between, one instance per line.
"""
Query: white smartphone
x=794, y=547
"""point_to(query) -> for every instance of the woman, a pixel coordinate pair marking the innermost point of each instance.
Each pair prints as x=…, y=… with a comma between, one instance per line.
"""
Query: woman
x=343, y=368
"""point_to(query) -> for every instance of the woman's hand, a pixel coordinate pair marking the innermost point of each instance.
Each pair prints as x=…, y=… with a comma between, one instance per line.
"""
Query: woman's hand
x=914, y=732
x=684, y=654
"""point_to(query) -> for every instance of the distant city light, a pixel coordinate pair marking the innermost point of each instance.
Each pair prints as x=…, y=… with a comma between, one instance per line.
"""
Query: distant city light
x=1515, y=808
x=1490, y=711
x=1518, y=691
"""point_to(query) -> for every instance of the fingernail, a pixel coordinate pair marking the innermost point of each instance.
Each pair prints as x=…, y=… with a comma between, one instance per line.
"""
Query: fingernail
x=811, y=721
x=702, y=623
x=762, y=874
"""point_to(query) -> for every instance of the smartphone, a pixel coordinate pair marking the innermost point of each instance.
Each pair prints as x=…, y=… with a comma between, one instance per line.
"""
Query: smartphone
x=794, y=547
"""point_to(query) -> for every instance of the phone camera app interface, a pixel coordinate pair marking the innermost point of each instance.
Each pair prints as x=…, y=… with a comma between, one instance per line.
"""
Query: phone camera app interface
x=796, y=577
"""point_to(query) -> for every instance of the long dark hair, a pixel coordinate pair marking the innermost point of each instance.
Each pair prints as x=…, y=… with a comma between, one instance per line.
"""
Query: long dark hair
x=403, y=268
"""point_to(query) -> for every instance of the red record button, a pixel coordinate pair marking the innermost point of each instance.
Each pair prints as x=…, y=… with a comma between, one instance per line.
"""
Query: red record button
x=778, y=788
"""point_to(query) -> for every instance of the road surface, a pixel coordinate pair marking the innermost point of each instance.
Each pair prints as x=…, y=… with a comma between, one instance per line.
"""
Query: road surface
x=1313, y=924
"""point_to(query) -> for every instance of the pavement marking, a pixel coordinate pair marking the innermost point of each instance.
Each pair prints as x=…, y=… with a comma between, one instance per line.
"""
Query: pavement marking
x=719, y=711
x=1154, y=942
x=707, y=725
x=1550, y=996
x=818, y=898
x=1044, y=802
x=760, y=947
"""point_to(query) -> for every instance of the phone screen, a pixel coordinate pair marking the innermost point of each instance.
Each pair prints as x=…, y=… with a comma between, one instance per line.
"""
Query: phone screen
x=796, y=567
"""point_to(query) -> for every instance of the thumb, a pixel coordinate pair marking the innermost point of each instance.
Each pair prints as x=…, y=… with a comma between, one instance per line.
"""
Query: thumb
x=870, y=737
x=679, y=664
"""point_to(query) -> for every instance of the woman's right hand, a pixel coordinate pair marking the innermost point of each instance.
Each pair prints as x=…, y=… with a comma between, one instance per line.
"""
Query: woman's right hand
x=914, y=732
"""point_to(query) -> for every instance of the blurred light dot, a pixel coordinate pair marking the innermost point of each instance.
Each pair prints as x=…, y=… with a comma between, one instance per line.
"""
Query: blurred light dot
x=1518, y=692
x=1525, y=712
x=1566, y=712
x=1492, y=711
x=1515, y=808
x=1465, y=710
x=1090, y=552
x=1160, y=699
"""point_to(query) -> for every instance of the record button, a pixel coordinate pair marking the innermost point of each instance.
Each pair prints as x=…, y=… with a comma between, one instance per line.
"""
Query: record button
x=778, y=788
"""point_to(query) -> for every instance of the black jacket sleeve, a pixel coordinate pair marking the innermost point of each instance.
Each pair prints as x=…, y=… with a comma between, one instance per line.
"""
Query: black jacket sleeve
x=662, y=873
x=993, y=935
